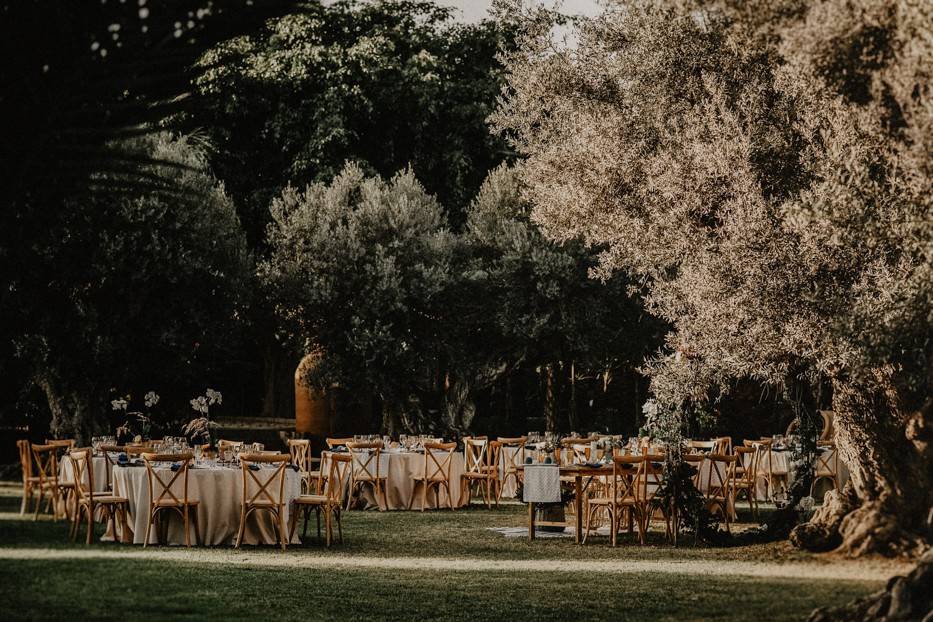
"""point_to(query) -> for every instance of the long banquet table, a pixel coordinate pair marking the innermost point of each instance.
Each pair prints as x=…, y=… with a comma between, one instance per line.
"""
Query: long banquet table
x=401, y=469
x=219, y=489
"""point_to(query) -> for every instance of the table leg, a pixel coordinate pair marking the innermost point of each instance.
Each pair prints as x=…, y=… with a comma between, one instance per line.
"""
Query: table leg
x=531, y=521
x=578, y=506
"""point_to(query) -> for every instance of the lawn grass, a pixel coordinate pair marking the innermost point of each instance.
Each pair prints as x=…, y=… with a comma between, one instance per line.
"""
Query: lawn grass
x=116, y=586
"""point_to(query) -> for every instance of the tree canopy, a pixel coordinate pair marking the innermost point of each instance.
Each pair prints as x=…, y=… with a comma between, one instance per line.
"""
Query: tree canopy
x=388, y=84
x=767, y=180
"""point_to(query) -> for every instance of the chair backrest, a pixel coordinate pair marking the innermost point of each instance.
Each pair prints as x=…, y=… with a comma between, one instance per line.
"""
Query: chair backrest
x=723, y=445
x=652, y=476
x=25, y=458
x=512, y=461
x=110, y=458
x=46, y=459
x=627, y=475
x=701, y=446
x=337, y=442
x=62, y=447
x=721, y=475
x=269, y=483
x=696, y=461
x=438, y=458
x=83, y=464
x=366, y=463
x=300, y=451
x=159, y=490
x=337, y=475
x=829, y=429
x=827, y=459
x=748, y=458
x=475, y=453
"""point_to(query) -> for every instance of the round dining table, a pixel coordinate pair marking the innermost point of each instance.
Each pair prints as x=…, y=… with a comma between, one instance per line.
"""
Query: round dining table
x=401, y=468
x=219, y=491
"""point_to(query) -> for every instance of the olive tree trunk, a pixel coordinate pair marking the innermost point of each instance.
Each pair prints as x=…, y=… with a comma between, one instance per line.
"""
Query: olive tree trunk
x=885, y=508
x=72, y=414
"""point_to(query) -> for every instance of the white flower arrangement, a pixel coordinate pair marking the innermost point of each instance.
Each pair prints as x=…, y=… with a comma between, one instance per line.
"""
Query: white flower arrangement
x=200, y=427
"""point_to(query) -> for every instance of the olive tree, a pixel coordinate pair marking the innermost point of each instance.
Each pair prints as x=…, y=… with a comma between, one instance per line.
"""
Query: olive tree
x=767, y=181
x=357, y=270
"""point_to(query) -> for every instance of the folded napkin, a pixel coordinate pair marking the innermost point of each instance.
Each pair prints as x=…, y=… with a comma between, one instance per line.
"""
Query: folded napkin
x=176, y=466
x=294, y=467
x=254, y=467
x=135, y=463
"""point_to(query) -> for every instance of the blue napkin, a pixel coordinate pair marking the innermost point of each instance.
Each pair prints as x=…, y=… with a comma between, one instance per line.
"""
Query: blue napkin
x=122, y=458
x=176, y=466
x=254, y=467
x=294, y=467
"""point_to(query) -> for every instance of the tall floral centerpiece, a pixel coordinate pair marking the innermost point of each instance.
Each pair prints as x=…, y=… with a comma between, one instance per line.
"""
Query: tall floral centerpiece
x=138, y=424
x=200, y=429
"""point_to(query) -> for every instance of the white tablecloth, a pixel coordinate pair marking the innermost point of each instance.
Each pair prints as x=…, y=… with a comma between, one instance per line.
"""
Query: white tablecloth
x=782, y=469
x=401, y=468
x=220, y=492
x=98, y=464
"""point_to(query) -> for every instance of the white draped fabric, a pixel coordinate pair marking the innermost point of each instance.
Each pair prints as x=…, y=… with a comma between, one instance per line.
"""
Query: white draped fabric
x=219, y=489
x=401, y=468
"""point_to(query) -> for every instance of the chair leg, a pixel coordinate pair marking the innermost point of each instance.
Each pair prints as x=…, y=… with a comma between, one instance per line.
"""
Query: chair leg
x=411, y=498
x=424, y=496
x=75, y=524
x=39, y=503
x=339, y=526
x=281, y=516
x=328, y=527
x=186, y=526
x=90, y=526
x=148, y=528
x=242, y=530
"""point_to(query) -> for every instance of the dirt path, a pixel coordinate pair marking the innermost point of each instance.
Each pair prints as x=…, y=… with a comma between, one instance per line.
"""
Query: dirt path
x=842, y=571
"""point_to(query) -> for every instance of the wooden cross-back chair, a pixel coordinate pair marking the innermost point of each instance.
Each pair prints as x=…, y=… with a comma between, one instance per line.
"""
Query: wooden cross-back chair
x=66, y=489
x=300, y=451
x=337, y=442
x=827, y=465
x=111, y=457
x=746, y=479
x=511, y=462
x=45, y=458
x=329, y=501
x=270, y=491
x=88, y=502
x=479, y=469
x=766, y=471
x=366, y=470
x=438, y=459
x=620, y=498
x=30, y=480
x=646, y=493
x=720, y=485
x=701, y=447
x=163, y=499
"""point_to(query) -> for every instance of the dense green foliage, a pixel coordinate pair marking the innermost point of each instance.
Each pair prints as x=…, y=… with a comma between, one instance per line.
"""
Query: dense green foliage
x=141, y=289
x=389, y=84
x=367, y=272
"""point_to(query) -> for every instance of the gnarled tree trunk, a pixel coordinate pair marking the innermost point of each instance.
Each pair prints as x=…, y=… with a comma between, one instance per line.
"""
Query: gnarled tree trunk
x=72, y=416
x=885, y=508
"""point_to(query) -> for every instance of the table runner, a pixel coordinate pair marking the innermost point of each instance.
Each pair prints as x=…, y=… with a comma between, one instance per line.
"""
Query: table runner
x=542, y=483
